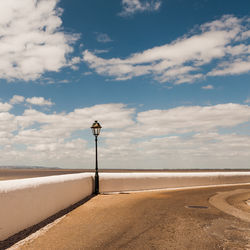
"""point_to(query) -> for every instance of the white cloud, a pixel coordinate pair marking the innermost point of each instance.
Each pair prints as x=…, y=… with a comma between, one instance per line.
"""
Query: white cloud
x=232, y=68
x=4, y=107
x=187, y=136
x=31, y=39
x=208, y=87
x=196, y=142
x=185, y=59
x=103, y=38
x=185, y=119
x=40, y=101
x=130, y=7
x=73, y=62
x=17, y=99
x=209, y=147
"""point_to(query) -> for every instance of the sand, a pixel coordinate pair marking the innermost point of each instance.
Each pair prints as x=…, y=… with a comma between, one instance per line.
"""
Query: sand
x=182, y=219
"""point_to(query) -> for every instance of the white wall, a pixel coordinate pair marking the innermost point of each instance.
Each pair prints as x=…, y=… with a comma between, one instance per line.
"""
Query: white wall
x=116, y=182
x=26, y=202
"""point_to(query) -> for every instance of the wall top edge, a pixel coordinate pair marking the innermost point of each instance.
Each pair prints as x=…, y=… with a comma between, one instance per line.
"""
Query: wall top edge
x=12, y=185
x=179, y=174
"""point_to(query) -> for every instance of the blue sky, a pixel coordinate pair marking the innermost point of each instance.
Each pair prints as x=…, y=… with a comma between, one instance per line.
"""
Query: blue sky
x=168, y=80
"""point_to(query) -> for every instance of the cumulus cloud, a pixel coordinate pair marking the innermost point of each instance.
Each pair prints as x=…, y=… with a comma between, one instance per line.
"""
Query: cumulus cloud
x=4, y=107
x=130, y=7
x=17, y=99
x=208, y=146
x=73, y=62
x=186, y=119
x=31, y=39
x=216, y=44
x=40, y=101
x=182, y=136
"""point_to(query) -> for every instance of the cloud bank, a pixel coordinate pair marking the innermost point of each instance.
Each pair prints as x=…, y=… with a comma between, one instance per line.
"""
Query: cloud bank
x=184, y=136
x=220, y=47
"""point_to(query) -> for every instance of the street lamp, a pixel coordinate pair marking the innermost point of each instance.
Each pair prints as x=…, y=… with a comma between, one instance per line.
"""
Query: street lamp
x=96, y=129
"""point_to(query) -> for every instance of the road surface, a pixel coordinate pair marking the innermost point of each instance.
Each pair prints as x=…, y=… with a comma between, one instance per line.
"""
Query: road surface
x=183, y=219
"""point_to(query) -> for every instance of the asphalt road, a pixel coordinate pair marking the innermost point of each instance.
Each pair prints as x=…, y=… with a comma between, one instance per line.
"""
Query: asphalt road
x=150, y=220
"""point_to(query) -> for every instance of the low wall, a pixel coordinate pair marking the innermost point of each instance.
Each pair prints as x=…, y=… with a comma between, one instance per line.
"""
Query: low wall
x=26, y=202
x=117, y=182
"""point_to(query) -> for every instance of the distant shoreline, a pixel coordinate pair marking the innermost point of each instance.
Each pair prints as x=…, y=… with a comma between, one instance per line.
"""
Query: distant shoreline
x=119, y=170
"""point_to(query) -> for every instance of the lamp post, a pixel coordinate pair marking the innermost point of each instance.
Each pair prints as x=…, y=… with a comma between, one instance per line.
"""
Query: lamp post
x=96, y=129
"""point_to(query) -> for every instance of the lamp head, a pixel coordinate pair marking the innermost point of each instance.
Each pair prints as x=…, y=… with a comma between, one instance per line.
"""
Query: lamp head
x=96, y=128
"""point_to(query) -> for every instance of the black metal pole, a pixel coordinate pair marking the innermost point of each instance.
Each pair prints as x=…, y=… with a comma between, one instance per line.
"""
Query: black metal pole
x=96, y=169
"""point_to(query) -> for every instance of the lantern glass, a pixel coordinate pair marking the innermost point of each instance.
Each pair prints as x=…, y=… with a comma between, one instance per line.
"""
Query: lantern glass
x=96, y=128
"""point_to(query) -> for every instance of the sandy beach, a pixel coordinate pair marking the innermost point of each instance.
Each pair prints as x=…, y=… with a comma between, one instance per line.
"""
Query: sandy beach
x=180, y=219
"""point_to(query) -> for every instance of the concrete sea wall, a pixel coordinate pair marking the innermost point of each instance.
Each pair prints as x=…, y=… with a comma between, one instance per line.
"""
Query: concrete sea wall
x=26, y=202
x=118, y=182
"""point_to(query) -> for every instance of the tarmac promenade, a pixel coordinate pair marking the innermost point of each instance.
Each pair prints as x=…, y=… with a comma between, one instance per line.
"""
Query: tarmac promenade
x=203, y=218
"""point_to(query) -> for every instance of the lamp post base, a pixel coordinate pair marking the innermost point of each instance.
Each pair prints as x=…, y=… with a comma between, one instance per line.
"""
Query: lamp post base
x=96, y=183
